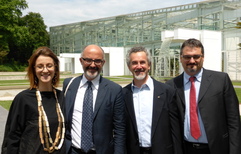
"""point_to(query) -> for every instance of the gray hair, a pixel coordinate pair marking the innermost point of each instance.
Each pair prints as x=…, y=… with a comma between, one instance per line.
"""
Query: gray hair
x=135, y=50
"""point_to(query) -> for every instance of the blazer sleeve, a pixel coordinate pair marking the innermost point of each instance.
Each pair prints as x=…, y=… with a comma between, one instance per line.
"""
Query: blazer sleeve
x=119, y=123
x=14, y=127
x=175, y=123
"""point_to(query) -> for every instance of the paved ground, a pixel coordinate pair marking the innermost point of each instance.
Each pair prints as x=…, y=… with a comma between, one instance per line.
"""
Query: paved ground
x=3, y=117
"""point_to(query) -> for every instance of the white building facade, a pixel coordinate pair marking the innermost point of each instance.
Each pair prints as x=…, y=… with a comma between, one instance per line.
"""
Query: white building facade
x=148, y=28
x=115, y=56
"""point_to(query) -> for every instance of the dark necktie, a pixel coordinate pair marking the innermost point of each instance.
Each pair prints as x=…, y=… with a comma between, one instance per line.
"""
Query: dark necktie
x=86, y=132
x=194, y=124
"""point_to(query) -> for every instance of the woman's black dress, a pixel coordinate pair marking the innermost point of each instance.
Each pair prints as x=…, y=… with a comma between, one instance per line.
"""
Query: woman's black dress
x=22, y=129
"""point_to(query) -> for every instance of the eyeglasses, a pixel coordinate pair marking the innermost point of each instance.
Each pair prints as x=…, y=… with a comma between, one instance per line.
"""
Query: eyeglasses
x=49, y=67
x=188, y=57
x=90, y=61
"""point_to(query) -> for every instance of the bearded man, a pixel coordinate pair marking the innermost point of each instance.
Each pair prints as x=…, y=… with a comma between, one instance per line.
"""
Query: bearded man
x=94, y=124
x=152, y=123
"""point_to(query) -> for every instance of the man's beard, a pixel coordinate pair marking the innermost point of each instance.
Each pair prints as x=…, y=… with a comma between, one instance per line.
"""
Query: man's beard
x=89, y=74
x=192, y=69
x=141, y=76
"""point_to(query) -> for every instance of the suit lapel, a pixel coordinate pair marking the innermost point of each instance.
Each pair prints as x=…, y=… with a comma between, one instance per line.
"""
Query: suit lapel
x=100, y=95
x=205, y=83
x=180, y=88
x=157, y=106
x=73, y=89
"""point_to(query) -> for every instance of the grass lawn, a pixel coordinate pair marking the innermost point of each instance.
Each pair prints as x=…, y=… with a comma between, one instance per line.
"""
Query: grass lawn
x=119, y=79
x=6, y=104
x=238, y=92
x=236, y=83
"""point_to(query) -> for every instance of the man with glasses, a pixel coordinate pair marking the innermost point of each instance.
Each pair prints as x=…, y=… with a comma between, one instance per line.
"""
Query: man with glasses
x=101, y=130
x=208, y=105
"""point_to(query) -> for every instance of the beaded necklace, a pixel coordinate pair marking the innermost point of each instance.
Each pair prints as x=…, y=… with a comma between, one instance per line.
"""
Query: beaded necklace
x=46, y=139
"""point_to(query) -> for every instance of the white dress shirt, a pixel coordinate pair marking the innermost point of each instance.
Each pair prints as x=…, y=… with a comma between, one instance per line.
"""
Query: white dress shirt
x=78, y=109
x=143, y=106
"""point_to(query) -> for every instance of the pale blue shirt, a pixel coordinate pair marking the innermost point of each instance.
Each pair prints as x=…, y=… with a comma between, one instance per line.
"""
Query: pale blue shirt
x=78, y=109
x=143, y=106
x=187, y=84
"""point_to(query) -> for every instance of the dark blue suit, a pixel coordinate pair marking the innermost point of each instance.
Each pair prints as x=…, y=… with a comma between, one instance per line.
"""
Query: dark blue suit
x=109, y=118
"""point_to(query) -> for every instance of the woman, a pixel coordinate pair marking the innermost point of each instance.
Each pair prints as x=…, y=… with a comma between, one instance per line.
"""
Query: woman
x=35, y=123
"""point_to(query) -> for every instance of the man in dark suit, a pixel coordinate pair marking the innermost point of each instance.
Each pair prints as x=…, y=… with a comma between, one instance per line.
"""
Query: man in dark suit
x=108, y=123
x=212, y=125
x=151, y=110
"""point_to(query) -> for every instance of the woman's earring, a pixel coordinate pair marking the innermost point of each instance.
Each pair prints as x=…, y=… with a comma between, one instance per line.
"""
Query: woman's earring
x=36, y=80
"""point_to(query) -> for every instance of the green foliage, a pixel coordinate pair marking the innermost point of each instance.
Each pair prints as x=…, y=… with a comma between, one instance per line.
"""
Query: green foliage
x=20, y=36
x=29, y=35
x=10, y=12
x=36, y=28
x=19, y=45
x=12, y=67
x=3, y=54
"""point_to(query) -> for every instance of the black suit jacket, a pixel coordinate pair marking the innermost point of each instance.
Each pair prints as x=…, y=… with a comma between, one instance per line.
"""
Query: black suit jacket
x=165, y=131
x=219, y=109
x=108, y=122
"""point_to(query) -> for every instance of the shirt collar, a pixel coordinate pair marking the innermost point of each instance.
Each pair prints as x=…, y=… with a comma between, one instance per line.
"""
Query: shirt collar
x=198, y=76
x=148, y=84
x=95, y=81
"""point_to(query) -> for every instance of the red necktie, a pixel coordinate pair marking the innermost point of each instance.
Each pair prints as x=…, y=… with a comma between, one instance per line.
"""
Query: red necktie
x=194, y=124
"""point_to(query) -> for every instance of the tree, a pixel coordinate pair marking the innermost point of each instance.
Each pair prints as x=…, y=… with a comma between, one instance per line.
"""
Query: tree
x=29, y=35
x=10, y=12
x=37, y=29
x=19, y=36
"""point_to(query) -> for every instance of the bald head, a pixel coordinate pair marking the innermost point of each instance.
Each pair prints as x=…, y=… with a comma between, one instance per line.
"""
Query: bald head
x=92, y=60
x=95, y=49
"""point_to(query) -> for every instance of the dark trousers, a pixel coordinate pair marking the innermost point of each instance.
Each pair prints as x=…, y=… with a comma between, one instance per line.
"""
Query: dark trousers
x=196, y=148
x=79, y=151
x=145, y=150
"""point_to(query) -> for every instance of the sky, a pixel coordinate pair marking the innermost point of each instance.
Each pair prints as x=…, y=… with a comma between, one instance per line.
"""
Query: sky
x=60, y=12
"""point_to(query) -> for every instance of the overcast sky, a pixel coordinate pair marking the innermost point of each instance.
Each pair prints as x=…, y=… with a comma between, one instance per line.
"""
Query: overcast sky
x=59, y=12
